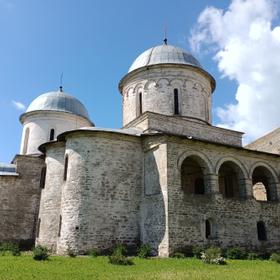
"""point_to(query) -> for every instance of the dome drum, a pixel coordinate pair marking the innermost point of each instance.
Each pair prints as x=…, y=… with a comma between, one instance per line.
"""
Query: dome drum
x=169, y=81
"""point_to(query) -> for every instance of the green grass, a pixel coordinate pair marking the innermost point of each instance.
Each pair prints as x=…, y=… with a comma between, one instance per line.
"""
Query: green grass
x=58, y=268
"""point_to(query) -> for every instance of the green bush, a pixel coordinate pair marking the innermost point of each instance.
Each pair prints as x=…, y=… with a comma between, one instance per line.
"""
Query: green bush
x=213, y=256
x=119, y=256
x=40, y=253
x=10, y=248
x=236, y=253
x=178, y=255
x=264, y=256
x=144, y=251
x=120, y=260
x=197, y=251
x=275, y=257
x=252, y=256
x=120, y=249
x=93, y=253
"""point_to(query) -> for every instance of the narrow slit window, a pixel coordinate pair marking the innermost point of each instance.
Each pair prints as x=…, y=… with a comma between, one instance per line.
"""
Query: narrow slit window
x=65, y=168
x=59, y=227
x=43, y=178
x=52, y=134
x=261, y=231
x=207, y=229
x=176, y=102
x=38, y=228
x=140, y=103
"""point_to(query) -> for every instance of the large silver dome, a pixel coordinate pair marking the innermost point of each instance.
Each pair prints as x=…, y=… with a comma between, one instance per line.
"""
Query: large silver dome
x=58, y=101
x=164, y=54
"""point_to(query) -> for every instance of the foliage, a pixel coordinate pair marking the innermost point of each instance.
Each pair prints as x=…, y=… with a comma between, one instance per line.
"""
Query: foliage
x=178, y=255
x=10, y=248
x=40, y=253
x=120, y=260
x=275, y=257
x=213, y=256
x=236, y=253
x=144, y=251
x=93, y=253
x=252, y=256
x=264, y=256
x=120, y=249
x=119, y=256
x=197, y=251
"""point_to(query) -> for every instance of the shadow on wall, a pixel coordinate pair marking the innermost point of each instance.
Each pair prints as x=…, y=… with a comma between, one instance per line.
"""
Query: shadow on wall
x=153, y=209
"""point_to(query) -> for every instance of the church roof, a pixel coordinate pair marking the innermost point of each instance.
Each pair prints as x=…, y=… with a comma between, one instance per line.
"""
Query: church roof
x=58, y=101
x=8, y=169
x=164, y=54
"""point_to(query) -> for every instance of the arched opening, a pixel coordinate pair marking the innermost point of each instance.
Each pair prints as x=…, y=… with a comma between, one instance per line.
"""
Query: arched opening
x=176, y=102
x=192, y=176
x=207, y=229
x=65, y=168
x=52, y=134
x=25, y=142
x=262, y=184
x=230, y=176
x=261, y=231
x=43, y=177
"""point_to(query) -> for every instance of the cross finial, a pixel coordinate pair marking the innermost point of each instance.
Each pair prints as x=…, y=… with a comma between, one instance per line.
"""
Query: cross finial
x=61, y=78
x=165, y=36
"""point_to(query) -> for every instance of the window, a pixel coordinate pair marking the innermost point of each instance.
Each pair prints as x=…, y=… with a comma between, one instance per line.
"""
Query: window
x=43, y=177
x=261, y=231
x=231, y=180
x=38, y=228
x=52, y=134
x=176, y=102
x=59, y=226
x=25, y=143
x=65, y=168
x=207, y=229
x=140, y=103
x=263, y=189
x=192, y=176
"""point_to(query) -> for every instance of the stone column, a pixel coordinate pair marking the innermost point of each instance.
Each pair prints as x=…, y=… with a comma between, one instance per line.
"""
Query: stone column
x=211, y=183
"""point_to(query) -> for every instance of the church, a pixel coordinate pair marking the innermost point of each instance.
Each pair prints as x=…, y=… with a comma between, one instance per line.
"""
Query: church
x=167, y=178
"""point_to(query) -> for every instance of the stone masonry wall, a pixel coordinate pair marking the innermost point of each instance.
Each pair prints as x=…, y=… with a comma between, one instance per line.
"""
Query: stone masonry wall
x=101, y=196
x=233, y=220
x=50, y=205
x=157, y=86
x=154, y=206
x=151, y=122
x=19, y=201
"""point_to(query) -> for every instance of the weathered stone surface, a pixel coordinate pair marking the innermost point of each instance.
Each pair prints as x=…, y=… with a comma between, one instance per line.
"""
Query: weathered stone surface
x=157, y=85
x=19, y=201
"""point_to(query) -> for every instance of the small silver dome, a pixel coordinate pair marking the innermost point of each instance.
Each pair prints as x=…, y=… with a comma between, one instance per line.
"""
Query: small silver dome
x=164, y=54
x=58, y=101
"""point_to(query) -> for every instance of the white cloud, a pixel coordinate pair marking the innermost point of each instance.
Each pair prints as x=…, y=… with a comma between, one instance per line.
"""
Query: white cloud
x=247, y=50
x=20, y=106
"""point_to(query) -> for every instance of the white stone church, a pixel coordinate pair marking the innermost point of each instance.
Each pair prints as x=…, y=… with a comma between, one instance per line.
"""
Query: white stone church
x=167, y=178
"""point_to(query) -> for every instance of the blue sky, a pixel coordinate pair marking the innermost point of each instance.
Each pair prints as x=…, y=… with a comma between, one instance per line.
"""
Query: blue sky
x=93, y=43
